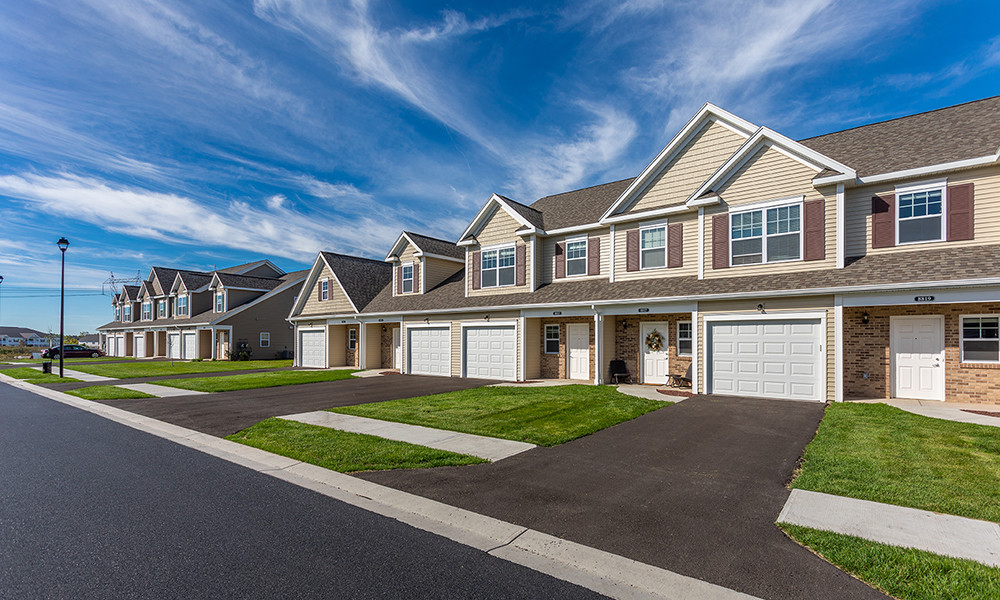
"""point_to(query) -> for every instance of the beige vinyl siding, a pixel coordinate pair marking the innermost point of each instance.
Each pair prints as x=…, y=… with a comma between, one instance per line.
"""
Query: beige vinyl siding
x=858, y=225
x=500, y=229
x=533, y=341
x=406, y=255
x=456, y=321
x=705, y=153
x=771, y=175
x=690, y=222
x=786, y=306
x=548, y=252
x=437, y=270
x=338, y=303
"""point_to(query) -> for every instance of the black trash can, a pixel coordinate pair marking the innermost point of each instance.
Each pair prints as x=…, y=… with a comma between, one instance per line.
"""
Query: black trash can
x=47, y=366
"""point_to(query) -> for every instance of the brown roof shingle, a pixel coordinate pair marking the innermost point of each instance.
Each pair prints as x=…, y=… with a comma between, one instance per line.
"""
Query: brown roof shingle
x=580, y=207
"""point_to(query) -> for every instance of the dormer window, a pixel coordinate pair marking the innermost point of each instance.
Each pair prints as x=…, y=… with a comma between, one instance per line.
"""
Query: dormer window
x=182, y=305
x=161, y=309
x=498, y=267
x=128, y=313
x=407, y=278
x=118, y=313
x=220, y=302
x=147, y=311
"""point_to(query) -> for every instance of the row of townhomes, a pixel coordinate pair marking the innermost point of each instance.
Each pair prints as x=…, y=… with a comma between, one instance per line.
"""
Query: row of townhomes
x=22, y=336
x=861, y=263
x=194, y=314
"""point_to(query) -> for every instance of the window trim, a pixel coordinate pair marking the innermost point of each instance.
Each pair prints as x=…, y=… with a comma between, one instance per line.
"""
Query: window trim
x=690, y=337
x=161, y=309
x=916, y=188
x=180, y=310
x=264, y=342
x=545, y=337
x=666, y=260
x=352, y=339
x=586, y=255
x=497, y=248
x=961, y=339
x=118, y=313
x=763, y=207
x=324, y=289
x=127, y=312
x=404, y=278
x=219, y=295
x=145, y=304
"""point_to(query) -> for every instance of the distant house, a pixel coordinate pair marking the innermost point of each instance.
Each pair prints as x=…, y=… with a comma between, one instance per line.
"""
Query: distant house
x=13, y=337
x=91, y=341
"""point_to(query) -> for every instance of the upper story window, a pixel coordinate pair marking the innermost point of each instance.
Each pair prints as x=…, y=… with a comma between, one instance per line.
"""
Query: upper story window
x=576, y=257
x=352, y=339
x=981, y=339
x=552, y=339
x=324, y=289
x=147, y=311
x=407, y=279
x=128, y=312
x=498, y=267
x=118, y=313
x=653, y=247
x=220, y=302
x=920, y=215
x=684, y=338
x=161, y=309
x=766, y=235
x=182, y=305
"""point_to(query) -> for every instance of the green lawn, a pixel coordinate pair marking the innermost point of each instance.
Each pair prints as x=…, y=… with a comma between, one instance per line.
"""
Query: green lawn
x=35, y=376
x=226, y=383
x=543, y=416
x=164, y=367
x=880, y=453
x=343, y=451
x=107, y=392
x=55, y=361
x=901, y=572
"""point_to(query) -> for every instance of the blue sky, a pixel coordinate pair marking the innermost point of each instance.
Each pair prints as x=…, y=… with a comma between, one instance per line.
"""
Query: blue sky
x=201, y=134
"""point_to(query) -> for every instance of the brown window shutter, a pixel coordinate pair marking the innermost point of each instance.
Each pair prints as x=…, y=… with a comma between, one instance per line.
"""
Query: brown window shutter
x=632, y=250
x=560, y=260
x=960, y=221
x=675, y=245
x=814, y=230
x=720, y=241
x=416, y=278
x=477, y=281
x=520, y=260
x=399, y=280
x=884, y=221
x=594, y=256
x=319, y=290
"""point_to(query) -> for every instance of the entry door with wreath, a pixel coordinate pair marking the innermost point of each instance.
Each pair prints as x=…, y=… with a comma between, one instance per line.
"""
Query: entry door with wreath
x=654, y=354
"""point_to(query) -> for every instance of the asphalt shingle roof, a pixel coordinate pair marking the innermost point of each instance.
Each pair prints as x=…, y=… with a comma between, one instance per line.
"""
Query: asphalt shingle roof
x=530, y=214
x=248, y=282
x=362, y=278
x=436, y=245
x=580, y=207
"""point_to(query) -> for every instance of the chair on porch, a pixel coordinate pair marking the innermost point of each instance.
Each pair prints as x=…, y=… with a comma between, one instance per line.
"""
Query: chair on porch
x=678, y=381
x=619, y=371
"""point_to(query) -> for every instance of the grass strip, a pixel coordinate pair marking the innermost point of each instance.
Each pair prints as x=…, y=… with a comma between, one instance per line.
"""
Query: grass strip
x=343, y=451
x=902, y=573
x=544, y=416
x=884, y=454
x=248, y=381
x=35, y=376
x=84, y=359
x=107, y=392
x=164, y=367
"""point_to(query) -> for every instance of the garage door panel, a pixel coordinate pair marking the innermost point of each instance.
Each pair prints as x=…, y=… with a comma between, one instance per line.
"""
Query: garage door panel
x=429, y=350
x=174, y=345
x=312, y=346
x=190, y=339
x=491, y=352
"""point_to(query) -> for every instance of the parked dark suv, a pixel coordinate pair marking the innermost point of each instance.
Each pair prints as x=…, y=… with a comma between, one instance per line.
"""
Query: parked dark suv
x=73, y=351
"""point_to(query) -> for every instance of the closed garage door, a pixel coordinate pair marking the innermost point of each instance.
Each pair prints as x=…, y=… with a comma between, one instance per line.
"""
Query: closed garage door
x=429, y=349
x=768, y=359
x=312, y=345
x=112, y=349
x=174, y=345
x=120, y=345
x=190, y=340
x=491, y=352
x=140, y=346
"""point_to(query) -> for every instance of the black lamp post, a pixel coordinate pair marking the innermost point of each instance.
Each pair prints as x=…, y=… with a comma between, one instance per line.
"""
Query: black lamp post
x=63, y=243
x=1, y=298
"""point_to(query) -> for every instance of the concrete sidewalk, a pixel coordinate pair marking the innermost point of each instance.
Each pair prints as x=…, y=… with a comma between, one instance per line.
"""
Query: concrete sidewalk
x=76, y=374
x=160, y=391
x=949, y=411
x=492, y=449
x=947, y=535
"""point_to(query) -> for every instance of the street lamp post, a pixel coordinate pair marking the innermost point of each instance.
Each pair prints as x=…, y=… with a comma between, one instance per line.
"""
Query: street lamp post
x=1, y=301
x=63, y=243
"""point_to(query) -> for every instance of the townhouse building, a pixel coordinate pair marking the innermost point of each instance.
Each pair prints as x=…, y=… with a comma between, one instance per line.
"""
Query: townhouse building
x=23, y=336
x=860, y=263
x=185, y=314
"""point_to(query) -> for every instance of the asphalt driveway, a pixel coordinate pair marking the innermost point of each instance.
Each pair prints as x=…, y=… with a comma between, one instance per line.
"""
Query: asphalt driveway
x=224, y=413
x=694, y=488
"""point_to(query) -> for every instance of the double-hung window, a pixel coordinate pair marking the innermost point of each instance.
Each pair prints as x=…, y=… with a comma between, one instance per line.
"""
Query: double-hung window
x=407, y=278
x=684, y=338
x=766, y=235
x=576, y=257
x=552, y=339
x=182, y=305
x=324, y=289
x=147, y=311
x=352, y=339
x=265, y=339
x=220, y=302
x=128, y=313
x=161, y=309
x=981, y=339
x=920, y=214
x=118, y=313
x=653, y=247
x=498, y=267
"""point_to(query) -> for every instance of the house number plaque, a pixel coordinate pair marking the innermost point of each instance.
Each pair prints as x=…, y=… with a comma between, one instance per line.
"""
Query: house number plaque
x=923, y=298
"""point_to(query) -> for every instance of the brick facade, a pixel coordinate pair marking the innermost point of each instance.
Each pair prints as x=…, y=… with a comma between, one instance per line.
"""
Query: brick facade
x=554, y=366
x=386, y=347
x=352, y=355
x=629, y=349
x=867, y=351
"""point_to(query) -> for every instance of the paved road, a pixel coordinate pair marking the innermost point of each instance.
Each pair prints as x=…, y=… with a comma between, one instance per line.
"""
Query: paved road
x=225, y=413
x=62, y=387
x=90, y=508
x=694, y=488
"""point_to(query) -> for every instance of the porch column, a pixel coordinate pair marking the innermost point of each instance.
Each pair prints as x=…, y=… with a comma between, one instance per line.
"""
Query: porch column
x=838, y=360
x=156, y=343
x=524, y=349
x=361, y=346
x=215, y=343
x=598, y=347
x=695, y=351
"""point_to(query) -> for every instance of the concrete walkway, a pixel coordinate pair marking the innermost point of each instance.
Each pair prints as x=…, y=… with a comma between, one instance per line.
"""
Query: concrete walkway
x=492, y=449
x=949, y=411
x=76, y=374
x=651, y=392
x=160, y=391
x=947, y=535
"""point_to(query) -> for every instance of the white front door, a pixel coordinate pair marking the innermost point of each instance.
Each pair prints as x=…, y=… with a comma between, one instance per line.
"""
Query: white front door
x=173, y=345
x=918, y=357
x=655, y=368
x=491, y=352
x=397, y=349
x=190, y=341
x=429, y=349
x=579, y=350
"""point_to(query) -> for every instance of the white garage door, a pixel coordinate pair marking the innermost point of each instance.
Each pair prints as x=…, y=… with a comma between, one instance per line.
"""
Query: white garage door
x=312, y=345
x=112, y=349
x=491, y=352
x=120, y=346
x=140, y=346
x=174, y=345
x=190, y=339
x=429, y=349
x=768, y=359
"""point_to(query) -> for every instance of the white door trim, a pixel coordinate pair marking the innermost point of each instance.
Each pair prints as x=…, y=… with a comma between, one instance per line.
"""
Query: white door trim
x=569, y=350
x=894, y=375
x=663, y=326
x=397, y=348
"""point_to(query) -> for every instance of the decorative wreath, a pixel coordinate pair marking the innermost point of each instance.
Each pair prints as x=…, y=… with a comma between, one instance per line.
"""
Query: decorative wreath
x=654, y=341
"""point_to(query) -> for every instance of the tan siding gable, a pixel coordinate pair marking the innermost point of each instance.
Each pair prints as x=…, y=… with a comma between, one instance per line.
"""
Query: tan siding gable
x=337, y=304
x=705, y=153
x=499, y=229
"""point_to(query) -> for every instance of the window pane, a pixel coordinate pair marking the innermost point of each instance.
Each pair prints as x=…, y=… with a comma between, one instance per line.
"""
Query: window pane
x=576, y=250
x=920, y=230
x=506, y=275
x=407, y=285
x=506, y=257
x=654, y=238
x=490, y=259
x=783, y=247
x=408, y=272
x=551, y=331
x=684, y=347
x=747, y=252
x=684, y=331
x=982, y=350
x=576, y=266
x=747, y=225
x=490, y=278
x=784, y=219
x=654, y=258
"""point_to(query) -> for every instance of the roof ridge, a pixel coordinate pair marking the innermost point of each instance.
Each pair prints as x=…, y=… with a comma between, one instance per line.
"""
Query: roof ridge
x=430, y=237
x=589, y=187
x=520, y=203
x=371, y=260
x=926, y=112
